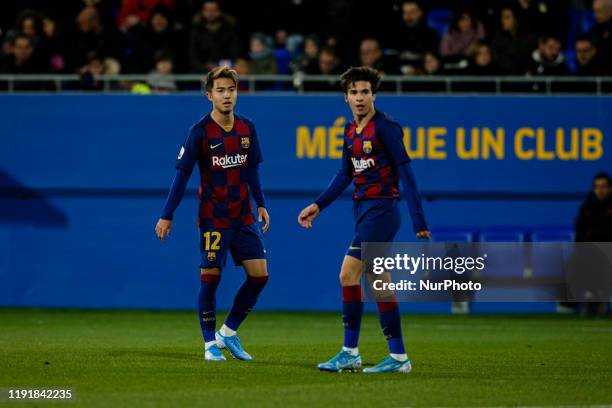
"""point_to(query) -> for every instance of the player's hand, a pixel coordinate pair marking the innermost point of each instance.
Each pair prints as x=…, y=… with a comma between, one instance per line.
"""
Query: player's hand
x=262, y=215
x=423, y=234
x=163, y=228
x=308, y=215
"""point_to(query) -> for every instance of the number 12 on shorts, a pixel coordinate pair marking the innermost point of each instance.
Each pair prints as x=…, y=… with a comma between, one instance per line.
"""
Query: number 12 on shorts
x=211, y=240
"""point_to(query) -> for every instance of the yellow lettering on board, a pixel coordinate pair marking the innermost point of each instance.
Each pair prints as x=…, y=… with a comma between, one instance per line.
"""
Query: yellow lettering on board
x=541, y=152
x=474, y=150
x=336, y=138
x=572, y=153
x=419, y=151
x=493, y=143
x=519, y=144
x=592, y=140
x=436, y=143
x=310, y=145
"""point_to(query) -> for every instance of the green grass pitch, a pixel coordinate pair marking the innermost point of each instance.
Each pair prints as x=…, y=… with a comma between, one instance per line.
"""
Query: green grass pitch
x=130, y=358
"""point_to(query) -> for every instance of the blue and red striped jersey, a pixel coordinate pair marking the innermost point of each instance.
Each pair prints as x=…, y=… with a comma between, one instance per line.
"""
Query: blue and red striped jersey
x=224, y=158
x=372, y=154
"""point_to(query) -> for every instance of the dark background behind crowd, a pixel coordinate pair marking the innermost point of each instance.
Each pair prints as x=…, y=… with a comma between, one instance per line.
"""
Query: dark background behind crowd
x=435, y=37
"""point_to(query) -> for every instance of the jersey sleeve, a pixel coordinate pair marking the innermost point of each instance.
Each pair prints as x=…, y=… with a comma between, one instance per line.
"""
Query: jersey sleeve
x=255, y=156
x=392, y=137
x=342, y=179
x=347, y=165
x=190, y=150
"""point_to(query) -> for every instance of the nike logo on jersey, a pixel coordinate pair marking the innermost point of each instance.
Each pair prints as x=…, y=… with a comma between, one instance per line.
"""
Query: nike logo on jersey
x=352, y=248
x=215, y=146
x=362, y=164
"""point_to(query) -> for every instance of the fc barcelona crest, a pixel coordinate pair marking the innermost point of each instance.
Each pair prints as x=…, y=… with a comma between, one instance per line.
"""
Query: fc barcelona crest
x=211, y=256
x=245, y=142
x=367, y=146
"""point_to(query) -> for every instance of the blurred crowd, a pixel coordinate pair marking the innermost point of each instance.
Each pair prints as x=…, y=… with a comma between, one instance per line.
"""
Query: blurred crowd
x=434, y=37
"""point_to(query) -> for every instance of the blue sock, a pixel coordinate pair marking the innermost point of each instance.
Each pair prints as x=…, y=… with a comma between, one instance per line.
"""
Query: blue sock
x=245, y=300
x=352, y=310
x=207, y=305
x=391, y=324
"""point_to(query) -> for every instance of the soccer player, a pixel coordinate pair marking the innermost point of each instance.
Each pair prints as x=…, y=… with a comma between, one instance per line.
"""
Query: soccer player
x=374, y=158
x=226, y=149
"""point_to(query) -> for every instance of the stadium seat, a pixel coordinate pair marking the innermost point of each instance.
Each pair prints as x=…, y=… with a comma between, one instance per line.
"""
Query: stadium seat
x=502, y=236
x=452, y=236
x=549, y=254
x=439, y=20
x=503, y=261
x=553, y=235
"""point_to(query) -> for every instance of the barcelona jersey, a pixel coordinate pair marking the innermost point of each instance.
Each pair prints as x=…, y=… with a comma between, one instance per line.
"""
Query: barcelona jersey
x=223, y=158
x=371, y=155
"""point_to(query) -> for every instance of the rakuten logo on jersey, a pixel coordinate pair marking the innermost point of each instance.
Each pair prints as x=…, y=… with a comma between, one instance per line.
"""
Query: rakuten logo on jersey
x=362, y=164
x=228, y=161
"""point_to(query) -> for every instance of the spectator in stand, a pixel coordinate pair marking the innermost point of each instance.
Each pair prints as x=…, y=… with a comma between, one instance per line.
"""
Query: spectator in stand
x=97, y=65
x=160, y=79
x=213, y=38
x=52, y=48
x=594, y=223
x=371, y=55
x=93, y=37
x=158, y=35
x=89, y=73
x=414, y=37
x=310, y=57
x=431, y=64
x=588, y=270
x=28, y=23
x=329, y=64
x=261, y=55
x=481, y=61
x=21, y=60
x=511, y=46
x=282, y=55
x=241, y=65
x=601, y=33
x=464, y=32
x=137, y=12
x=588, y=61
x=547, y=59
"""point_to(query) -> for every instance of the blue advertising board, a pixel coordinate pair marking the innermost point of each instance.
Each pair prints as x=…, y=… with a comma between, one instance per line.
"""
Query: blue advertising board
x=83, y=179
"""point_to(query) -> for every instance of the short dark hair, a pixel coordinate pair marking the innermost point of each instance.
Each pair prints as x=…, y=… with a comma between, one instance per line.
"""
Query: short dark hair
x=355, y=74
x=603, y=175
x=328, y=50
x=163, y=55
x=219, y=72
x=417, y=2
x=550, y=36
x=584, y=37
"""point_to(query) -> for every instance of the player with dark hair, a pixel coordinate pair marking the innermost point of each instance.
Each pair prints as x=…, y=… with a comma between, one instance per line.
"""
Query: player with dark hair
x=374, y=158
x=226, y=148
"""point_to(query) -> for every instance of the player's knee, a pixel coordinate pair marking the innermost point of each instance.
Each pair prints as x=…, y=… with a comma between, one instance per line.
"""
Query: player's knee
x=256, y=268
x=210, y=271
x=349, y=277
x=258, y=274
